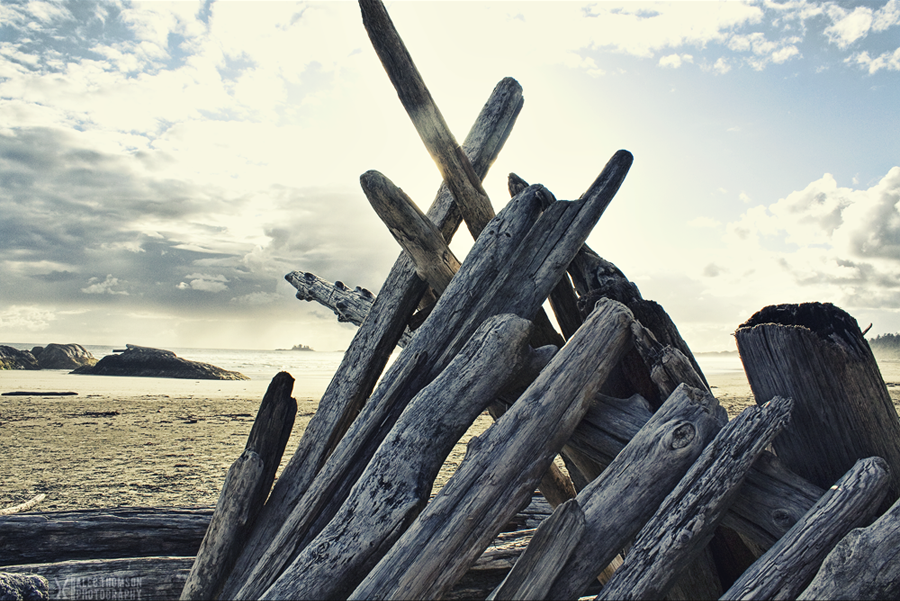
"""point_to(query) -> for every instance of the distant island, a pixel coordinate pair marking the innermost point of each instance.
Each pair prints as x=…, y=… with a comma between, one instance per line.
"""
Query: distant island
x=297, y=347
x=886, y=346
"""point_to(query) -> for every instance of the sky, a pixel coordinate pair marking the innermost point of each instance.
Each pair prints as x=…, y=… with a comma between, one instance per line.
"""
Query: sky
x=164, y=165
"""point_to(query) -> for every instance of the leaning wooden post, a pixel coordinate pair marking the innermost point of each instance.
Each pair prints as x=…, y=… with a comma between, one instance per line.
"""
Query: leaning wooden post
x=686, y=521
x=816, y=354
x=246, y=486
x=865, y=564
x=502, y=466
x=375, y=340
x=617, y=504
x=396, y=484
x=791, y=563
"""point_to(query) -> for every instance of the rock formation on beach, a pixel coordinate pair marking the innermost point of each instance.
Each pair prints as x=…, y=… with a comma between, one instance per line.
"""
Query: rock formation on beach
x=142, y=361
x=62, y=356
x=12, y=358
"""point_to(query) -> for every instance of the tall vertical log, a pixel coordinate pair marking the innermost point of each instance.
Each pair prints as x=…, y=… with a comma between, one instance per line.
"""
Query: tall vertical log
x=246, y=486
x=374, y=342
x=816, y=354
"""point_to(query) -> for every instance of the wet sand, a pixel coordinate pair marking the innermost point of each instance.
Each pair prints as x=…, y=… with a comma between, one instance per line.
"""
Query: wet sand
x=162, y=442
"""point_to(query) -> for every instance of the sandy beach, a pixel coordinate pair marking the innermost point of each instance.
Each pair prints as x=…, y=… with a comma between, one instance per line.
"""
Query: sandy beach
x=149, y=441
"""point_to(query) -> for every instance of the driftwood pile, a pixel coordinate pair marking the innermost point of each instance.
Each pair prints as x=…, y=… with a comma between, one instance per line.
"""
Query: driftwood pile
x=661, y=495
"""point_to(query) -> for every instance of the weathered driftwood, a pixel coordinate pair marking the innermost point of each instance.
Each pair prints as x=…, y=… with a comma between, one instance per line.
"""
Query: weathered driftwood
x=350, y=306
x=816, y=354
x=101, y=533
x=23, y=506
x=246, y=487
x=376, y=339
x=686, y=520
x=865, y=564
x=502, y=466
x=413, y=231
x=515, y=271
x=452, y=162
x=154, y=577
x=395, y=486
x=620, y=501
x=550, y=547
x=785, y=570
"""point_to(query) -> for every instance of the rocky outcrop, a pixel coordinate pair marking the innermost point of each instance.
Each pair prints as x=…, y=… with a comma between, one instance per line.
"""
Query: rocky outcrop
x=146, y=362
x=12, y=358
x=62, y=356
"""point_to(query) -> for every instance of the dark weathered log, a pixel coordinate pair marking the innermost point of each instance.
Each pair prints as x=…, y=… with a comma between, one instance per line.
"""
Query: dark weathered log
x=502, y=466
x=395, y=486
x=865, y=564
x=154, y=577
x=101, y=533
x=516, y=272
x=785, y=570
x=246, y=487
x=376, y=339
x=550, y=547
x=686, y=520
x=621, y=500
x=411, y=228
x=770, y=501
x=816, y=354
x=426, y=117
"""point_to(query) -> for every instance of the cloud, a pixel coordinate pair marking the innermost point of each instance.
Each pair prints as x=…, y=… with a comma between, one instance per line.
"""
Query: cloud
x=107, y=286
x=848, y=26
x=889, y=61
x=675, y=60
x=27, y=318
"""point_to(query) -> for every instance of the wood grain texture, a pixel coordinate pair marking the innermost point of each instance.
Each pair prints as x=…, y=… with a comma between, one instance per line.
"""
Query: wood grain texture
x=815, y=353
x=623, y=498
x=501, y=466
x=865, y=564
x=375, y=340
x=395, y=486
x=686, y=520
x=786, y=569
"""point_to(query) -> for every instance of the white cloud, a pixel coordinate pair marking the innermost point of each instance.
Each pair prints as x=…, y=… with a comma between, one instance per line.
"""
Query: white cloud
x=848, y=26
x=204, y=283
x=95, y=286
x=675, y=60
x=887, y=60
x=29, y=318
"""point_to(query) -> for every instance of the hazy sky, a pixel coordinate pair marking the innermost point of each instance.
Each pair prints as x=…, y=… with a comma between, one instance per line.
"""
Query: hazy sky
x=163, y=165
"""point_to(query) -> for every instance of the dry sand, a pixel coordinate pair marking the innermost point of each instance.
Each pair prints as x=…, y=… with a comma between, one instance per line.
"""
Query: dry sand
x=147, y=441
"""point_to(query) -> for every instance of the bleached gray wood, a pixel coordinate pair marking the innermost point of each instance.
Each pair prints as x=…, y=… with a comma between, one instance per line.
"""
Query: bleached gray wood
x=618, y=503
x=23, y=506
x=789, y=566
x=451, y=161
x=377, y=337
x=815, y=353
x=770, y=501
x=101, y=533
x=501, y=467
x=864, y=565
x=154, y=577
x=244, y=491
x=396, y=484
x=686, y=520
x=545, y=556
x=514, y=273
x=413, y=231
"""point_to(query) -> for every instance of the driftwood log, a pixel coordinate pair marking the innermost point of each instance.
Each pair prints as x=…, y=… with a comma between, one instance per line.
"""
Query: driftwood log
x=865, y=564
x=785, y=570
x=246, y=487
x=395, y=485
x=502, y=466
x=686, y=520
x=23, y=506
x=815, y=353
x=377, y=337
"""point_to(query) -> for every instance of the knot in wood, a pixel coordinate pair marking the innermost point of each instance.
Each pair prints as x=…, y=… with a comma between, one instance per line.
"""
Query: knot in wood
x=783, y=518
x=682, y=436
x=320, y=553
